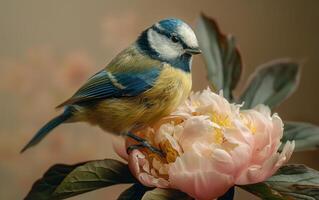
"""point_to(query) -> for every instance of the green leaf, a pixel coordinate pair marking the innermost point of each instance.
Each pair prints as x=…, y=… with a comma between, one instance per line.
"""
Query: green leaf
x=305, y=135
x=271, y=83
x=135, y=192
x=63, y=181
x=223, y=61
x=291, y=182
x=92, y=176
x=165, y=194
x=43, y=188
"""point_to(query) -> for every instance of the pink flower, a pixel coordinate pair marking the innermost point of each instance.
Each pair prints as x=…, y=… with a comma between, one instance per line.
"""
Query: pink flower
x=210, y=145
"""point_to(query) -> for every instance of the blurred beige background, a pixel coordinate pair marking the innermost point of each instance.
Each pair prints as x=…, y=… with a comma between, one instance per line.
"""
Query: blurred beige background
x=49, y=48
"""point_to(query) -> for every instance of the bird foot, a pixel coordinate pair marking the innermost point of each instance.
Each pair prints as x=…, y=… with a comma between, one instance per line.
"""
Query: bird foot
x=142, y=144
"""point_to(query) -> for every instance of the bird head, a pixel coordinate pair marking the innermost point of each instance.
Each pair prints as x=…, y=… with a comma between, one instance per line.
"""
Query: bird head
x=169, y=40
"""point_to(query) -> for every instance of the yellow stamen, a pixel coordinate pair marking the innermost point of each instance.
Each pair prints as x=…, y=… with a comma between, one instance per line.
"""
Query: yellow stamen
x=169, y=151
x=222, y=121
x=252, y=128
x=219, y=137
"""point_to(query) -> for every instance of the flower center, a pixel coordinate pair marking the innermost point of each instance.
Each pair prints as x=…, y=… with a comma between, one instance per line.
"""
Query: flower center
x=170, y=153
x=165, y=141
x=224, y=122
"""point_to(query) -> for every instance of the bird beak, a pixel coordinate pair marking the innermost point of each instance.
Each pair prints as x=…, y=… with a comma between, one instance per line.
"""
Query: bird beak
x=193, y=51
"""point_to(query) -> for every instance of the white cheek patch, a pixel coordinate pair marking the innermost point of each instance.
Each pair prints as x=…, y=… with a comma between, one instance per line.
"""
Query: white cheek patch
x=162, y=45
x=187, y=35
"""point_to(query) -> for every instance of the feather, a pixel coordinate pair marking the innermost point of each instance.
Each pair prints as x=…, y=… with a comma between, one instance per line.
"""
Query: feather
x=105, y=84
x=47, y=128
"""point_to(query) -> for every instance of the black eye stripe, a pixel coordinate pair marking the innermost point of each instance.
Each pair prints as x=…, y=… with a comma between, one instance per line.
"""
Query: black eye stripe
x=160, y=31
x=174, y=39
x=169, y=36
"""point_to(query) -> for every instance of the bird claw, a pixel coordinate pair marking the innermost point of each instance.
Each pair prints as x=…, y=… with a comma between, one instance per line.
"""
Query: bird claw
x=143, y=144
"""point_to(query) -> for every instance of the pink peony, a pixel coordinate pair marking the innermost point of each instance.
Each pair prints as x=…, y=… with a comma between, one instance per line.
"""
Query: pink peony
x=210, y=145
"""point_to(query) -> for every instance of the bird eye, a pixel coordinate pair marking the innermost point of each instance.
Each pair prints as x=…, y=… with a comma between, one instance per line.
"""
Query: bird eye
x=174, y=39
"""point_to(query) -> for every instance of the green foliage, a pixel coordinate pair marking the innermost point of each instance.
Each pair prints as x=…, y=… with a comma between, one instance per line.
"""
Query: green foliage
x=63, y=181
x=305, y=135
x=43, y=188
x=291, y=182
x=271, y=83
x=94, y=175
x=165, y=194
x=223, y=61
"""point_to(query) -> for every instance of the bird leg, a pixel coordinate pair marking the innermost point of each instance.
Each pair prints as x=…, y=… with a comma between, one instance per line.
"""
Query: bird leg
x=142, y=144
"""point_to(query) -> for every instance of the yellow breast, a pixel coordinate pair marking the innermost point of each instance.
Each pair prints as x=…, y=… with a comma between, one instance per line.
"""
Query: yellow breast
x=119, y=115
x=172, y=87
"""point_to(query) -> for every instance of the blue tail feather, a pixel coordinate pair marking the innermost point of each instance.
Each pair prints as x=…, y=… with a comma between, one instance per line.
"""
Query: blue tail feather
x=47, y=128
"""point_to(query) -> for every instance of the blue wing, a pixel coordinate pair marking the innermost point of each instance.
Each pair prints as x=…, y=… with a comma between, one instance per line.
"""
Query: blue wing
x=105, y=85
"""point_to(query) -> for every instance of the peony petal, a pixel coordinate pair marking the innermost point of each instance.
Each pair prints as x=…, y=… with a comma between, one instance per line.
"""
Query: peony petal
x=136, y=158
x=137, y=165
x=150, y=181
x=277, y=132
x=119, y=147
x=272, y=135
x=166, y=133
x=284, y=155
x=263, y=109
x=258, y=173
x=196, y=128
x=197, y=177
x=268, y=131
x=238, y=134
x=223, y=161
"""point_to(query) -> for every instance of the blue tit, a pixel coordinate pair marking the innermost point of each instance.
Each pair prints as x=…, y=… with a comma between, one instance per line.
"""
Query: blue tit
x=145, y=82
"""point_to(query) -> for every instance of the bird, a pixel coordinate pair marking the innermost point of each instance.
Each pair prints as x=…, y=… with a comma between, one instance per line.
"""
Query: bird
x=143, y=83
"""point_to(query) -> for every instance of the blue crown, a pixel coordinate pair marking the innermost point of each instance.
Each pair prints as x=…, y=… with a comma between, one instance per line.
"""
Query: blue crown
x=170, y=24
